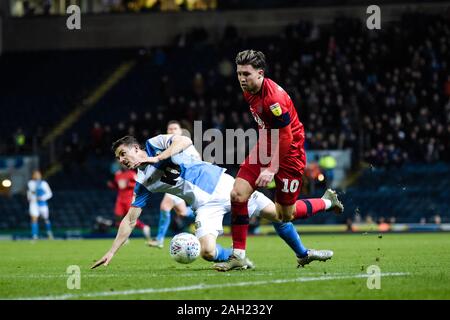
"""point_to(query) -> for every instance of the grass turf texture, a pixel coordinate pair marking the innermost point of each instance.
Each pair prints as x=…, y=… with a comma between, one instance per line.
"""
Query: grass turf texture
x=39, y=270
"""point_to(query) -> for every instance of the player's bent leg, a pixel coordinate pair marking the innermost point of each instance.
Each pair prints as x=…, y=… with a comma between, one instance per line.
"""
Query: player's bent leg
x=289, y=208
x=287, y=211
x=208, y=226
x=285, y=230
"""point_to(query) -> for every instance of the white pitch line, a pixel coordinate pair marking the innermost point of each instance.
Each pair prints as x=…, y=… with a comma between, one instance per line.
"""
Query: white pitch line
x=204, y=286
x=151, y=275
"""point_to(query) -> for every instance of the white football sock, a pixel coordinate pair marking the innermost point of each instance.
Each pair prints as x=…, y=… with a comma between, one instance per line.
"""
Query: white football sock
x=327, y=204
x=239, y=253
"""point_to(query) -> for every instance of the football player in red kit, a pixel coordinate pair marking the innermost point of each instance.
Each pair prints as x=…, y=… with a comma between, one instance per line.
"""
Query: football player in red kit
x=272, y=109
x=124, y=182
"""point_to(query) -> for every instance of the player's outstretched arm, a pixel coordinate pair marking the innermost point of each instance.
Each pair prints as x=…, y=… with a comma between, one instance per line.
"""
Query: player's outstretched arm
x=179, y=143
x=125, y=228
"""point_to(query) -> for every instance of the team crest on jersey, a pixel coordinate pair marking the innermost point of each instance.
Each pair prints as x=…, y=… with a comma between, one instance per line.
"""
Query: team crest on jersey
x=276, y=109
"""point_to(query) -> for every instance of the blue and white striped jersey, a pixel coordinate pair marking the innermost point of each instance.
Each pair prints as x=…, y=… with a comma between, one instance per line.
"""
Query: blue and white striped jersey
x=183, y=175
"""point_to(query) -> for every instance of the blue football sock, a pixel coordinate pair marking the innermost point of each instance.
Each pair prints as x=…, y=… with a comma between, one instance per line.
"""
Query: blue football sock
x=289, y=234
x=48, y=226
x=222, y=254
x=34, y=229
x=189, y=212
x=163, y=225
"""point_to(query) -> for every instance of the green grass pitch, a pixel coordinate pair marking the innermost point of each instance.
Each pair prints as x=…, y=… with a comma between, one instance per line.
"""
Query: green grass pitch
x=413, y=266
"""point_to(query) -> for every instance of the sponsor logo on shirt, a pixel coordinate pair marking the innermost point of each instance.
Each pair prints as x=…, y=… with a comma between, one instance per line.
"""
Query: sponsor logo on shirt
x=258, y=120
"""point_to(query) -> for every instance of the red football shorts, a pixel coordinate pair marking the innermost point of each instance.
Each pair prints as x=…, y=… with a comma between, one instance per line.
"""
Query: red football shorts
x=288, y=179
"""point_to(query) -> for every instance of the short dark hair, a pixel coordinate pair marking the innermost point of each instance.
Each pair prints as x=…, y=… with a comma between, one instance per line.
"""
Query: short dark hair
x=174, y=122
x=256, y=59
x=127, y=140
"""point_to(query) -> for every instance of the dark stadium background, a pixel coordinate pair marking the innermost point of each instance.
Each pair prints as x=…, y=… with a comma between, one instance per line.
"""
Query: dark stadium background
x=381, y=98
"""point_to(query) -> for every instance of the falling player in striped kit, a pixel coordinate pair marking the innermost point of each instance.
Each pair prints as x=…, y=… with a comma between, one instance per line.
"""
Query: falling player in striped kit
x=168, y=164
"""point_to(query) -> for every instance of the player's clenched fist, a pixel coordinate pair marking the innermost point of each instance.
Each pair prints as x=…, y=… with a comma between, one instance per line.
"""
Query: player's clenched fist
x=265, y=177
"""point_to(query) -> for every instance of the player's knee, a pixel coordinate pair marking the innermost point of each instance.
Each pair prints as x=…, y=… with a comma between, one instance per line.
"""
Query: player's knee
x=208, y=253
x=237, y=196
x=285, y=216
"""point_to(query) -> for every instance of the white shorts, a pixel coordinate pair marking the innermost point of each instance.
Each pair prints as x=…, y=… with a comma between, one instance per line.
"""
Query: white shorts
x=176, y=200
x=36, y=211
x=209, y=217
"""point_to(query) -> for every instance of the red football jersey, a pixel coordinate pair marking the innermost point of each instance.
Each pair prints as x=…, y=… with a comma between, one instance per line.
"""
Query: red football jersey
x=125, y=182
x=272, y=108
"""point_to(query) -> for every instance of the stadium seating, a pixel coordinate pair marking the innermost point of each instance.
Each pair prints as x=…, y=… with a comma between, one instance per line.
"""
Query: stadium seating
x=408, y=193
x=37, y=105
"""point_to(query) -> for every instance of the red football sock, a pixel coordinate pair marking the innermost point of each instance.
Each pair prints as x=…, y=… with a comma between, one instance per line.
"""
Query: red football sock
x=239, y=224
x=306, y=208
